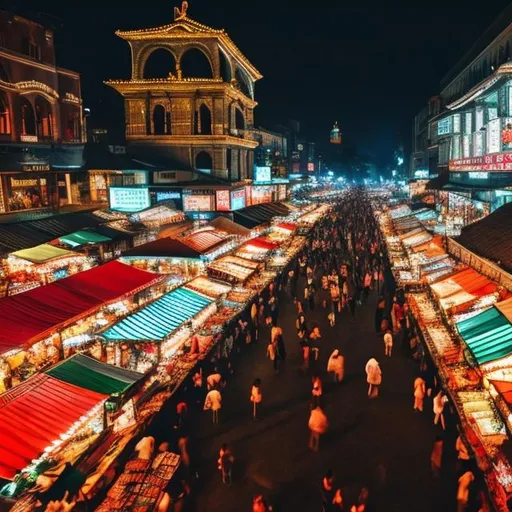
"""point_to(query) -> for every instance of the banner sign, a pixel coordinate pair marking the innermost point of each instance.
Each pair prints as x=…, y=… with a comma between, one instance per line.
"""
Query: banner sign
x=496, y=162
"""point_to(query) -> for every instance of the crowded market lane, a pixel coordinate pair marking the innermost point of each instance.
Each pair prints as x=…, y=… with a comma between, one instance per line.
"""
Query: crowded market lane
x=381, y=444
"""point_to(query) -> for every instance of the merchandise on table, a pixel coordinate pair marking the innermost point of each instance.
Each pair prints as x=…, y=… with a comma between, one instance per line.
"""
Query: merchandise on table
x=208, y=287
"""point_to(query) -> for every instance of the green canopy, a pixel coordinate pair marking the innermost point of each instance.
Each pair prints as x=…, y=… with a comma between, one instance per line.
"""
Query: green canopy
x=79, y=238
x=42, y=253
x=91, y=374
x=488, y=335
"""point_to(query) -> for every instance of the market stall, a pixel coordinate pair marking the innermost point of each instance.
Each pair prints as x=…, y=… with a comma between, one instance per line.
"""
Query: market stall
x=256, y=249
x=33, y=322
x=208, y=287
x=41, y=265
x=140, y=340
x=209, y=242
x=157, y=216
x=166, y=255
x=232, y=269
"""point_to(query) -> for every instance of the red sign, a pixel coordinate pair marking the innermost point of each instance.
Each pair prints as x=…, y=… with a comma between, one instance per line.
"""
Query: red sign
x=223, y=202
x=311, y=167
x=495, y=162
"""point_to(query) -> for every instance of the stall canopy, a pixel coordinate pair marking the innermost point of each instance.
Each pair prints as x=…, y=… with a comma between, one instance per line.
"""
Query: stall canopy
x=79, y=238
x=159, y=319
x=228, y=226
x=205, y=240
x=36, y=413
x=94, y=375
x=29, y=316
x=488, y=335
x=261, y=243
x=504, y=388
x=491, y=237
x=468, y=281
x=163, y=248
x=20, y=235
x=253, y=216
x=43, y=253
x=287, y=226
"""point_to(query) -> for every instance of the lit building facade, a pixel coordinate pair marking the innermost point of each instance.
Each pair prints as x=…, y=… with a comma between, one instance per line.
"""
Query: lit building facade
x=272, y=151
x=41, y=124
x=184, y=119
x=465, y=135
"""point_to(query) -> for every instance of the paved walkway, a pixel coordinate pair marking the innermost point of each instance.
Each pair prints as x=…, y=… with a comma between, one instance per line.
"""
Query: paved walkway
x=272, y=454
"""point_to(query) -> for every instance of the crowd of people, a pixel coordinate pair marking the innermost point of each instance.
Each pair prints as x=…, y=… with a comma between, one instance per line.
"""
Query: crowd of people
x=342, y=263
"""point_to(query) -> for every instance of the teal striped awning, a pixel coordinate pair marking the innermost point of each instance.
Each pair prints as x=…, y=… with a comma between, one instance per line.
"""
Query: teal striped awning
x=159, y=319
x=488, y=335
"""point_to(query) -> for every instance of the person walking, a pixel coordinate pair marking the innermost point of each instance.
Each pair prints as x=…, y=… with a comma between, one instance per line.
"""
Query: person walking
x=213, y=401
x=388, y=343
x=336, y=365
x=316, y=391
x=436, y=457
x=373, y=377
x=463, y=490
x=419, y=393
x=328, y=491
x=225, y=463
x=318, y=425
x=256, y=397
x=438, y=406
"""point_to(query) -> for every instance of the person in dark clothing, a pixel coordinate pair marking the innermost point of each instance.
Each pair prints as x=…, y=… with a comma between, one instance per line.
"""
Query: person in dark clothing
x=379, y=313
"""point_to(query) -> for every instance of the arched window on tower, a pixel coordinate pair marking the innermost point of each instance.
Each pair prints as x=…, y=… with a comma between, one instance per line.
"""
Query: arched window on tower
x=159, y=64
x=159, y=120
x=225, y=70
x=5, y=116
x=28, y=120
x=204, y=162
x=44, y=118
x=195, y=64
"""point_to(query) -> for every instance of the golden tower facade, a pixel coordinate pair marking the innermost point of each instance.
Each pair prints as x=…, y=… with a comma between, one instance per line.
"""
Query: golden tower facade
x=190, y=122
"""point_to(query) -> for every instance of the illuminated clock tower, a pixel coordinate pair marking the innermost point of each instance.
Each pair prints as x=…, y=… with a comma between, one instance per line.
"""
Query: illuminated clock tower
x=201, y=122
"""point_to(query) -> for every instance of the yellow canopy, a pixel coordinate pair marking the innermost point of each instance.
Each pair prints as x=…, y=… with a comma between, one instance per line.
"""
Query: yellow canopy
x=43, y=253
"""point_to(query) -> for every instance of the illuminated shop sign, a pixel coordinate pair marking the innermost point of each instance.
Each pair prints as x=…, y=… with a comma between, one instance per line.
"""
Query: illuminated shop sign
x=128, y=199
x=28, y=138
x=281, y=191
x=262, y=174
x=167, y=195
x=223, y=203
x=478, y=175
x=311, y=167
x=421, y=173
x=35, y=167
x=198, y=203
x=27, y=183
x=496, y=162
x=262, y=194
x=237, y=199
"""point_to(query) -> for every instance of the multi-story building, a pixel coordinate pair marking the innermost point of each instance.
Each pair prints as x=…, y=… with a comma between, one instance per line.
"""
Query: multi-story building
x=469, y=137
x=197, y=114
x=272, y=151
x=41, y=124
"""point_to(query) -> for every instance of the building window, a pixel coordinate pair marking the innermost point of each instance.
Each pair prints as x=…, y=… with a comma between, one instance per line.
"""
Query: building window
x=49, y=36
x=5, y=119
x=31, y=49
x=73, y=127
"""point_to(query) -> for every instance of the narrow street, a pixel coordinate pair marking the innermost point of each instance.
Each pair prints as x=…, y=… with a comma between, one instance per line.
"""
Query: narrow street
x=272, y=455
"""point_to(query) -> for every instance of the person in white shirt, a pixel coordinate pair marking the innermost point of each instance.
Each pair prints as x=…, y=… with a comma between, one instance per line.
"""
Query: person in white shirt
x=336, y=365
x=388, y=343
x=214, y=402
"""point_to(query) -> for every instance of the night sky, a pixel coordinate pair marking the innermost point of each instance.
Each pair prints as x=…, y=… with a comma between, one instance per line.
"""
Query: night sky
x=371, y=69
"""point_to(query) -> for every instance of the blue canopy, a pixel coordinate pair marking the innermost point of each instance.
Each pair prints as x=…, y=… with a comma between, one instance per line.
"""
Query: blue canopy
x=159, y=319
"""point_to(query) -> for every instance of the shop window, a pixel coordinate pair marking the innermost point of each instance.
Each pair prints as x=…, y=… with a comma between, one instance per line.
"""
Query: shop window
x=239, y=119
x=204, y=162
x=5, y=120
x=28, y=121
x=27, y=193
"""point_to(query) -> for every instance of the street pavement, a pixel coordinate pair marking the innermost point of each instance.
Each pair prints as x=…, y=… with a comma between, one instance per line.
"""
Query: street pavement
x=378, y=443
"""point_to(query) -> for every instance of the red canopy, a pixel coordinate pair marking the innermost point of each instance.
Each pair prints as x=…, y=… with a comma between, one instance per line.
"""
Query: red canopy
x=504, y=388
x=36, y=413
x=261, y=243
x=29, y=316
x=288, y=226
